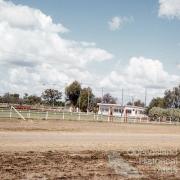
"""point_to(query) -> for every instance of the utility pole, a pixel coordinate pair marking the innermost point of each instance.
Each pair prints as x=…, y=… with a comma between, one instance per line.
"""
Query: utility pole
x=122, y=97
x=79, y=100
x=102, y=96
x=88, y=101
x=145, y=97
x=133, y=100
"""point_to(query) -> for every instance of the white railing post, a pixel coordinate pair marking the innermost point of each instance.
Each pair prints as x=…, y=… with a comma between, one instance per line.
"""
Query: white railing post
x=29, y=115
x=12, y=108
x=46, y=115
x=63, y=115
x=10, y=115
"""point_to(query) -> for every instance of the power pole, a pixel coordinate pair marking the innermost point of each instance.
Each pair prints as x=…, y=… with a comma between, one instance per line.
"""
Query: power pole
x=102, y=96
x=145, y=97
x=122, y=97
x=88, y=101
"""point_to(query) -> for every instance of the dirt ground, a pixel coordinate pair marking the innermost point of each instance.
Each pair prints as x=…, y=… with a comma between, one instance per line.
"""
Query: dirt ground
x=88, y=150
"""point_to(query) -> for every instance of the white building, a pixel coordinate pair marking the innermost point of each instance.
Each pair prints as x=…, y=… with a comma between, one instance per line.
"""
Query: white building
x=121, y=111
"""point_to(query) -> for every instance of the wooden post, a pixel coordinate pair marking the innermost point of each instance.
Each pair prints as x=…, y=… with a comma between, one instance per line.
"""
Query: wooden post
x=10, y=115
x=63, y=115
x=46, y=115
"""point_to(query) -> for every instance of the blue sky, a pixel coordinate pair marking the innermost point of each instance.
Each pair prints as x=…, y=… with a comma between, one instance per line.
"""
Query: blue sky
x=113, y=44
x=147, y=35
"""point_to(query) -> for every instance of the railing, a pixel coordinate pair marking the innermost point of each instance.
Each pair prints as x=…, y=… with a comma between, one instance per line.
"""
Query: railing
x=7, y=113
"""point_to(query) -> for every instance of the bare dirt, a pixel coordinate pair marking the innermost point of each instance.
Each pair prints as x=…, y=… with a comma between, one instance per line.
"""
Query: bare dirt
x=88, y=150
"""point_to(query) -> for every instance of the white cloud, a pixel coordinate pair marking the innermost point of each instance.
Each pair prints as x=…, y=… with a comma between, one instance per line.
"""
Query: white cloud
x=169, y=8
x=32, y=50
x=178, y=66
x=33, y=53
x=25, y=17
x=117, y=22
x=141, y=73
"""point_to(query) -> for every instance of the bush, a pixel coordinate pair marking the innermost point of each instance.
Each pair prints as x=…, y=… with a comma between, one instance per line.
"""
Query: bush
x=172, y=113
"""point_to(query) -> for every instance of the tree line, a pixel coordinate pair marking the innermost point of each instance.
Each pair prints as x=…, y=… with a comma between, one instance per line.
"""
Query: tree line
x=84, y=98
x=167, y=106
x=75, y=96
x=171, y=99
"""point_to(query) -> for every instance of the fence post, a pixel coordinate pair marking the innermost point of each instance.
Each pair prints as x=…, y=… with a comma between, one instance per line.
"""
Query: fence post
x=79, y=116
x=63, y=115
x=10, y=115
x=29, y=114
x=46, y=115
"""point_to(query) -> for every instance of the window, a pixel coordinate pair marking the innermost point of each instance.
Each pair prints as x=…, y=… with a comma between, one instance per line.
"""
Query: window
x=128, y=111
x=116, y=110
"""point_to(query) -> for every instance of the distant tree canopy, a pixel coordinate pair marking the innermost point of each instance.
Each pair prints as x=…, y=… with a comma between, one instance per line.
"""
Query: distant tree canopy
x=86, y=99
x=33, y=99
x=51, y=96
x=138, y=103
x=10, y=98
x=171, y=99
x=73, y=92
x=109, y=99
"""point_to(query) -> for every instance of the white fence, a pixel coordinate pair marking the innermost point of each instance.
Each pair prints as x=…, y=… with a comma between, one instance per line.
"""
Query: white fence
x=50, y=115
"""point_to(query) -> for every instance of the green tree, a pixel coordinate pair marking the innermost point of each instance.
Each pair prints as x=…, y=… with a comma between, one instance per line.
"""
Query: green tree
x=172, y=97
x=86, y=99
x=138, y=103
x=109, y=99
x=156, y=102
x=73, y=92
x=25, y=98
x=11, y=98
x=51, y=96
x=33, y=99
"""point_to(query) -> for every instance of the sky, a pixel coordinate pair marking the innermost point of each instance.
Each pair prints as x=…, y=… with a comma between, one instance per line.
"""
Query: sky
x=109, y=44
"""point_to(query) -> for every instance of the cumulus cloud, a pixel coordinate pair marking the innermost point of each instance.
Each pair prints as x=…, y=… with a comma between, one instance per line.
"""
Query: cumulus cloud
x=141, y=73
x=169, y=8
x=117, y=22
x=33, y=51
x=26, y=17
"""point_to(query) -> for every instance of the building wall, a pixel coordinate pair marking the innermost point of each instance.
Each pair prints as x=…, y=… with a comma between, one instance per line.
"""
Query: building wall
x=121, y=111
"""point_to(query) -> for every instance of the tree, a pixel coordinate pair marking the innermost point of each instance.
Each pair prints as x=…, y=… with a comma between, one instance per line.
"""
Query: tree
x=11, y=98
x=156, y=102
x=86, y=99
x=33, y=99
x=129, y=103
x=25, y=98
x=172, y=98
x=73, y=92
x=51, y=96
x=138, y=103
x=108, y=99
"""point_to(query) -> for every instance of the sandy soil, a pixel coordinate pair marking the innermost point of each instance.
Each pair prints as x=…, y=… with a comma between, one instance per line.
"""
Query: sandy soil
x=88, y=150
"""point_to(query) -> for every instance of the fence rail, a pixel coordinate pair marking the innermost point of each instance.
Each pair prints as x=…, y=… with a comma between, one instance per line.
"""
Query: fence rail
x=7, y=113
